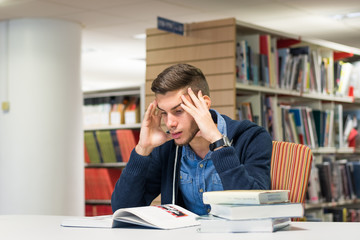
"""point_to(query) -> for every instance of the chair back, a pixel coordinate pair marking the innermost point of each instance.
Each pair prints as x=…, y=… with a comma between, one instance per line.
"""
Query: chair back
x=290, y=169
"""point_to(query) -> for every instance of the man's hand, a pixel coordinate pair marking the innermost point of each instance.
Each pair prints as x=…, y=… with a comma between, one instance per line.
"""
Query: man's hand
x=200, y=112
x=151, y=134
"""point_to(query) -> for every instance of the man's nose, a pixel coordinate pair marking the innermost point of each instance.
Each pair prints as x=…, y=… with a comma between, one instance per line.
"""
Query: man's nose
x=171, y=121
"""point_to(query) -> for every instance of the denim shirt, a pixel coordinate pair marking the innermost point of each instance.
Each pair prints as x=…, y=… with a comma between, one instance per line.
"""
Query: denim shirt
x=199, y=175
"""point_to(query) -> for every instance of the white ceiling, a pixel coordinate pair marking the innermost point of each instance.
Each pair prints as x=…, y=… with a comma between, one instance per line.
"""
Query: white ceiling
x=113, y=58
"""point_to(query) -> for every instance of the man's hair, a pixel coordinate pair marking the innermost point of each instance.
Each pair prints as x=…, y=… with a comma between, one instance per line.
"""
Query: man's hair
x=178, y=77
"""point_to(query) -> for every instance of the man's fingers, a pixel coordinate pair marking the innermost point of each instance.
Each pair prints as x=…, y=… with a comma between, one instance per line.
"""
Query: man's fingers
x=187, y=106
x=193, y=97
x=148, y=111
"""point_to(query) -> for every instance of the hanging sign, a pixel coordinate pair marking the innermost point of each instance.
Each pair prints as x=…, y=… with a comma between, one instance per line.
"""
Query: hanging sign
x=170, y=26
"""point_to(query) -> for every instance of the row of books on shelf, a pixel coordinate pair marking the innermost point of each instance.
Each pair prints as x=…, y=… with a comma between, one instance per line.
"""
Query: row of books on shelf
x=271, y=61
x=334, y=181
x=109, y=146
x=334, y=214
x=100, y=182
x=331, y=127
x=111, y=111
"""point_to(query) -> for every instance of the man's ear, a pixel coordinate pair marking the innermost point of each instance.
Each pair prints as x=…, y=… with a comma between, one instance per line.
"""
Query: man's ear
x=207, y=100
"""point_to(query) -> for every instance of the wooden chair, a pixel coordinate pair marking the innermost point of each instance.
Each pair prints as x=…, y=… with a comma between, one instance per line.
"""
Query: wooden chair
x=290, y=169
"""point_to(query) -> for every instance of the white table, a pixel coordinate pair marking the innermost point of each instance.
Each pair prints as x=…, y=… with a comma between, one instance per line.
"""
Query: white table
x=48, y=227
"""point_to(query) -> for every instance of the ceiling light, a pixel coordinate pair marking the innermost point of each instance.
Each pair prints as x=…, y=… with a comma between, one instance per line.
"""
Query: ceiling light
x=353, y=15
x=140, y=36
x=345, y=16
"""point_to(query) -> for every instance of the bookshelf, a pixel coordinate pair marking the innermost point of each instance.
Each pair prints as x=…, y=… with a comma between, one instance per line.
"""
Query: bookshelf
x=213, y=47
x=111, y=128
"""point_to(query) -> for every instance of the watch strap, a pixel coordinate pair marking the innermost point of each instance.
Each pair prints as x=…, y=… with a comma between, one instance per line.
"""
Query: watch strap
x=222, y=142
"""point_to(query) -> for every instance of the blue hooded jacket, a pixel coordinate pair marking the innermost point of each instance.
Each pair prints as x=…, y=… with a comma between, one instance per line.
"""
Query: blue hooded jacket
x=244, y=165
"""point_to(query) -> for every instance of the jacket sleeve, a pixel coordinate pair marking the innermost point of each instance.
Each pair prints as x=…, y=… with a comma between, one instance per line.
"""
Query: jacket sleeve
x=246, y=164
x=138, y=184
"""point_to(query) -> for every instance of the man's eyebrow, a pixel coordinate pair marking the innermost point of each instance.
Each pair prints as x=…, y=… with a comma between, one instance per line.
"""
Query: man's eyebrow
x=171, y=108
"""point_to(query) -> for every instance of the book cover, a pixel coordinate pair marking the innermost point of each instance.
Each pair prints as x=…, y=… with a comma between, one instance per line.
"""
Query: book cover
x=245, y=211
x=98, y=184
x=319, y=126
x=325, y=181
x=116, y=146
x=92, y=147
x=106, y=146
x=246, y=197
x=160, y=217
x=313, y=190
x=213, y=224
x=356, y=177
x=299, y=124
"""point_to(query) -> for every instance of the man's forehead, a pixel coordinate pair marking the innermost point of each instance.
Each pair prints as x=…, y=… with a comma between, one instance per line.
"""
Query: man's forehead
x=168, y=107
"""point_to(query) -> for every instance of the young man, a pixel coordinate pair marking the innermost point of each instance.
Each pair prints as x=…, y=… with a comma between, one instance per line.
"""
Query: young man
x=201, y=151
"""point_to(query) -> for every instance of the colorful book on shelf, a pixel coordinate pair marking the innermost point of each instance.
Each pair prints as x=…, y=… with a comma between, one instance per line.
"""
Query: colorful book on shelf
x=299, y=123
x=319, y=126
x=283, y=61
x=313, y=190
x=253, y=56
x=257, y=211
x=265, y=52
x=132, y=111
x=98, y=185
x=350, y=180
x=92, y=147
x=116, y=145
x=246, y=197
x=86, y=154
x=355, y=168
x=127, y=141
x=242, y=61
x=325, y=181
x=246, y=111
x=160, y=217
x=106, y=146
x=117, y=114
x=213, y=224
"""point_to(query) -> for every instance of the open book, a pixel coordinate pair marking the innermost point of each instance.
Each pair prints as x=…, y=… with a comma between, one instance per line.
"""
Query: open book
x=161, y=217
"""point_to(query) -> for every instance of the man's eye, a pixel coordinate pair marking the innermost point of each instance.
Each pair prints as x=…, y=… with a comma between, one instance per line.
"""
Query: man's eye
x=178, y=111
x=163, y=113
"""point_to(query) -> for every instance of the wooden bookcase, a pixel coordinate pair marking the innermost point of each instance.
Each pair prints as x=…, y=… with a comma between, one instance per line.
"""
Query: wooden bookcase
x=211, y=46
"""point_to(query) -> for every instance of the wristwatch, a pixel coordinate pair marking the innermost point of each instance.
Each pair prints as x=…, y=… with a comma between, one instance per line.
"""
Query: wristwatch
x=222, y=142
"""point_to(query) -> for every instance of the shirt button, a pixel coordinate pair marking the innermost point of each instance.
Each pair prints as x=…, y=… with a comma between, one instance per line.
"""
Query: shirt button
x=180, y=177
x=201, y=165
x=201, y=190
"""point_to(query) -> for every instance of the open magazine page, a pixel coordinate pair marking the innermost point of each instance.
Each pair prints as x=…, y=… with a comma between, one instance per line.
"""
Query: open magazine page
x=162, y=216
x=104, y=221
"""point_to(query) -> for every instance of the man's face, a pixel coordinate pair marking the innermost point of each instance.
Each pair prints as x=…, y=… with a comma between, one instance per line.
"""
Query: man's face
x=180, y=124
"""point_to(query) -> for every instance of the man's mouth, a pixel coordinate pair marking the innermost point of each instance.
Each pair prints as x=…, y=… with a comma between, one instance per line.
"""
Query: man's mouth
x=176, y=135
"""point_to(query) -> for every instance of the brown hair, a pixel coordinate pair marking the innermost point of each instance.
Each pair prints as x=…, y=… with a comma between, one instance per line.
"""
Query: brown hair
x=180, y=76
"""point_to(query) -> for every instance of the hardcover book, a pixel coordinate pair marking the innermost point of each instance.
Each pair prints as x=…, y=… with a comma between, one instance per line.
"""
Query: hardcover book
x=246, y=197
x=243, y=211
x=213, y=224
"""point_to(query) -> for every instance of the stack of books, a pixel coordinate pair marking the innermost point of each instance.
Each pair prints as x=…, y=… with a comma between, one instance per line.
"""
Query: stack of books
x=249, y=211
